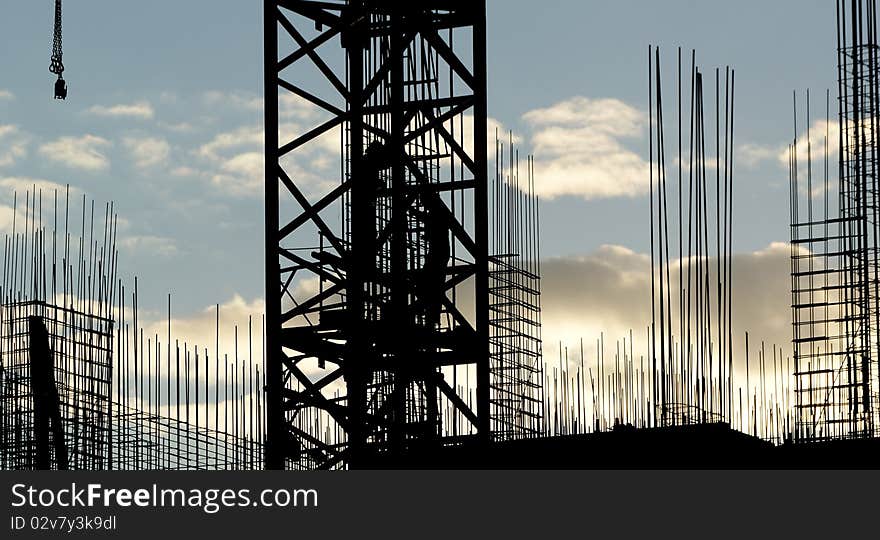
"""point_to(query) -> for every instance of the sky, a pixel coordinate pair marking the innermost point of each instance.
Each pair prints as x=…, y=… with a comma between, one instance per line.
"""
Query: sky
x=164, y=118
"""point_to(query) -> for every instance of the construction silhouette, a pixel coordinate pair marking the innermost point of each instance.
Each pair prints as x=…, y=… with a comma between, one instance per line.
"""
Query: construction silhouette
x=403, y=299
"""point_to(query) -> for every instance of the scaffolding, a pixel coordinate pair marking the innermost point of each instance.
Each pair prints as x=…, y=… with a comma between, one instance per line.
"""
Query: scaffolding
x=157, y=442
x=835, y=297
x=82, y=387
x=81, y=364
x=515, y=348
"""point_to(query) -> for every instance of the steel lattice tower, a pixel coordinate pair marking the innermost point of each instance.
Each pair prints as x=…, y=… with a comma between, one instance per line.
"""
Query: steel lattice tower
x=377, y=280
x=836, y=278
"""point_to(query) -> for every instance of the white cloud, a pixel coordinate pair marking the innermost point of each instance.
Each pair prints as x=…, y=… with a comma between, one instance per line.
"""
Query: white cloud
x=233, y=159
x=752, y=155
x=10, y=186
x=150, y=245
x=813, y=140
x=13, y=145
x=609, y=115
x=147, y=151
x=462, y=128
x=241, y=174
x=291, y=106
x=579, y=149
x=82, y=152
x=234, y=162
x=141, y=110
x=6, y=94
x=23, y=184
x=245, y=136
x=199, y=328
x=7, y=214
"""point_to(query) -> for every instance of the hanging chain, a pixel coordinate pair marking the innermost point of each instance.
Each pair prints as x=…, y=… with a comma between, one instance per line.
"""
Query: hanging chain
x=57, y=65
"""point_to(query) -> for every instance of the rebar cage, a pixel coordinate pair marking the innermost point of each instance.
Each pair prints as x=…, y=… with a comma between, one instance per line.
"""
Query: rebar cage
x=80, y=347
x=835, y=272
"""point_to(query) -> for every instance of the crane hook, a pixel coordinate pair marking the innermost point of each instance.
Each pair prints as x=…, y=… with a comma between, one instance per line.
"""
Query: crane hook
x=56, y=64
x=60, y=88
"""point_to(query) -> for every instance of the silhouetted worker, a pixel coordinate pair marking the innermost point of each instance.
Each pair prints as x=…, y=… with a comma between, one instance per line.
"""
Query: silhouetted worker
x=60, y=89
x=375, y=161
x=430, y=286
x=365, y=199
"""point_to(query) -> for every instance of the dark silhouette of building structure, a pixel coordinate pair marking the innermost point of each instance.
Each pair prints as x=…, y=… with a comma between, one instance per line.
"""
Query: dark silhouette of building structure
x=392, y=246
x=403, y=297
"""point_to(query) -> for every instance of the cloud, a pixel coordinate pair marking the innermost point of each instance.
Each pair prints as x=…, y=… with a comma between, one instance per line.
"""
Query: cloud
x=237, y=100
x=579, y=149
x=606, y=291
x=6, y=94
x=147, y=151
x=200, y=327
x=82, y=152
x=290, y=106
x=10, y=186
x=462, y=127
x=609, y=115
x=177, y=127
x=813, y=140
x=185, y=171
x=241, y=174
x=7, y=214
x=244, y=136
x=13, y=145
x=238, y=317
x=150, y=245
x=752, y=155
x=233, y=159
x=23, y=184
x=140, y=110
x=609, y=291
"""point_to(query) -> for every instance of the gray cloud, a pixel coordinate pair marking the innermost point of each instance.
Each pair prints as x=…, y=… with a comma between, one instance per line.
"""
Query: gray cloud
x=609, y=291
x=142, y=110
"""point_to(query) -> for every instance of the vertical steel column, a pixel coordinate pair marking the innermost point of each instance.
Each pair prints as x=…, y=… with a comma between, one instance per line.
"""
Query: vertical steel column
x=39, y=366
x=399, y=294
x=481, y=218
x=275, y=428
x=356, y=373
x=46, y=405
